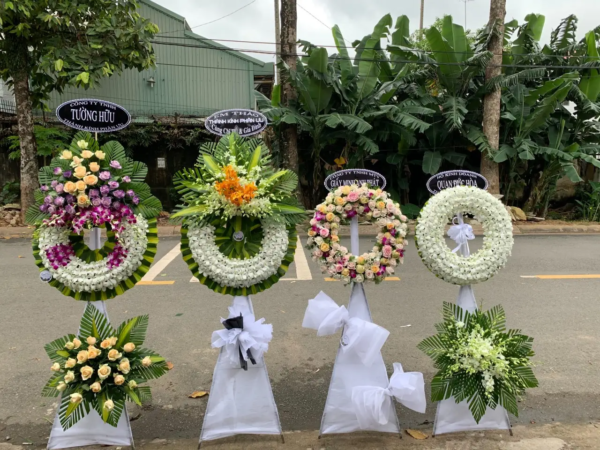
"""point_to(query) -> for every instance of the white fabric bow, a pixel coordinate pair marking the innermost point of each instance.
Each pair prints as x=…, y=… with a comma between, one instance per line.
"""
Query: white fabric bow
x=461, y=233
x=363, y=338
x=255, y=336
x=371, y=403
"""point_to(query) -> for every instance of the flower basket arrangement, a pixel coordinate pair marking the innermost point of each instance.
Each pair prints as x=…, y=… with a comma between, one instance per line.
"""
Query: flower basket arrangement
x=90, y=186
x=239, y=216
x=479, y=361
x=373, y=205
x=101, y=368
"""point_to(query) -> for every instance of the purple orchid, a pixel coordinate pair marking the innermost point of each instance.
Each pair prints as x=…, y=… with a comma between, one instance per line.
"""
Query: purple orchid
x=67, y=174
x=115, y=165
x=119, y=193
x=104, y=190
x=104, y=176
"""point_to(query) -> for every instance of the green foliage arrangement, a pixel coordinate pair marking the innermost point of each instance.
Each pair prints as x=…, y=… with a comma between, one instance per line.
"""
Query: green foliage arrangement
x=101, y=368
x=479, y=361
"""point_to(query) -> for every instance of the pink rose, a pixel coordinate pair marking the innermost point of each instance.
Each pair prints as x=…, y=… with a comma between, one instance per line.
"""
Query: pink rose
x=352, y=265
x=353, y=196
x=339, y=268
x=403, y=218
x=387, y=251
x=324, y=232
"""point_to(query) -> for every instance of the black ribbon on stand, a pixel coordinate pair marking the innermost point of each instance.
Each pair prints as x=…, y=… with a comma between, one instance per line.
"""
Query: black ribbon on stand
x=238, y=322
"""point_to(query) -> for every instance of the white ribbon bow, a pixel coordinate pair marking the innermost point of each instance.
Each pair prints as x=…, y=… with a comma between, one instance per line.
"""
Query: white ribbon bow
x=372, y=403
x=363, y=338
x=461, y=233
x=255, y=336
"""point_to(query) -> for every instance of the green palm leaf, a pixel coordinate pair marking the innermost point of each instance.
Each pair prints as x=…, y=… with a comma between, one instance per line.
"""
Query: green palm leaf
x=58, y=345
x=109, y=417
x=133, y=330
x=94, y=323
x=70, y=413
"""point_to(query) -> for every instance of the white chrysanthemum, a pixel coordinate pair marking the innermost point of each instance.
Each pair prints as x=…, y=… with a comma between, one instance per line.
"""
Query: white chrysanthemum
x=239, y=273
x=81, y=276
x=497, y=239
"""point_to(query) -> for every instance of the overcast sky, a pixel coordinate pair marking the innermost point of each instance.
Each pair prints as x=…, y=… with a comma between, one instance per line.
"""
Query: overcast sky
x=357, y=17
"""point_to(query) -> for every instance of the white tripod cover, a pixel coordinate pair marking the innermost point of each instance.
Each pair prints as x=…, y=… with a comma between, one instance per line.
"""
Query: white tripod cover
x=452, y=417
x=240, y=401
x=91, y=430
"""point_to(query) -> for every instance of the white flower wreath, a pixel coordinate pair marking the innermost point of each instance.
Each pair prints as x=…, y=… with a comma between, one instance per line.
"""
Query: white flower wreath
x=239, y=273
x=497, y=240
x=81, y=276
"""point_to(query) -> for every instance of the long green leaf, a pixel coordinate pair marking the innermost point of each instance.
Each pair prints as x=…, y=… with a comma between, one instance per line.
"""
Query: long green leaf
x=368, y=67
x=344, y=60
x=456, y=37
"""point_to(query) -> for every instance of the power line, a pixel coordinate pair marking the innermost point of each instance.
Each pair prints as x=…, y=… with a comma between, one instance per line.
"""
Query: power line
x=213, y=21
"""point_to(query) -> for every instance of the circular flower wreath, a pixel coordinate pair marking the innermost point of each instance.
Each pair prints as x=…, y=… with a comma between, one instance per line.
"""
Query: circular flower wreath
x=373, y=205
x=239, y=216
x=497, y=240
x=90, y=186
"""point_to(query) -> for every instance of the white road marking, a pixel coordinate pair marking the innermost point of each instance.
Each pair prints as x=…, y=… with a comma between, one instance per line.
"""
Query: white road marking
x=158, y=267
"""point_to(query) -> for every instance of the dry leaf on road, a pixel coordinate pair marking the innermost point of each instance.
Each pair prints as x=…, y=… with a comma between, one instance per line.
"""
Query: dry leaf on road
x=198, y=394
x=417, y=434
x=170, y=365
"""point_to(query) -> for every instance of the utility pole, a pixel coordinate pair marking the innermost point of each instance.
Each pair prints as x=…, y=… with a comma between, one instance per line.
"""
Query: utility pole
x=491, y=102
x=465, y=2
x=422, y=13
x=277, y=41
x=289, y=21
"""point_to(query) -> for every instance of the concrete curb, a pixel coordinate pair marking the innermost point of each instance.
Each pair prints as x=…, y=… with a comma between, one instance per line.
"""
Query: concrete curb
x=365, y=230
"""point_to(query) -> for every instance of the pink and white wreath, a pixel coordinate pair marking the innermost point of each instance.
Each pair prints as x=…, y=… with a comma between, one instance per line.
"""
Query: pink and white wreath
x=373, y=205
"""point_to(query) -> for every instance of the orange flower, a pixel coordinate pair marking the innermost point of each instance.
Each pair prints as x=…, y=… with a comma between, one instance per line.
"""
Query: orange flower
x=232, y=190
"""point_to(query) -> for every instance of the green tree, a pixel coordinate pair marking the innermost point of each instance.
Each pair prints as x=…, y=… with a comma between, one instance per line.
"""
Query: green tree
x=49, y=44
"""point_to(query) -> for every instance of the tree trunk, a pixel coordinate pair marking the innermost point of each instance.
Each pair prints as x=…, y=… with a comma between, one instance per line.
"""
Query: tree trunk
x=29, y=164
x=288, y=94
x=491, y=102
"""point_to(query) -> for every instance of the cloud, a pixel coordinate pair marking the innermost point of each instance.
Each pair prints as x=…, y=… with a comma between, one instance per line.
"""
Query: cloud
x=357, y=17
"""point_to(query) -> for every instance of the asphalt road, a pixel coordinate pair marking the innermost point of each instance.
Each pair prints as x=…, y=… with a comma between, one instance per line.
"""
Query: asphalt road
x=561, y=314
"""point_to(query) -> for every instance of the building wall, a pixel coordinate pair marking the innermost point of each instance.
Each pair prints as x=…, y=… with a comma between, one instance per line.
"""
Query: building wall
x=188, y=81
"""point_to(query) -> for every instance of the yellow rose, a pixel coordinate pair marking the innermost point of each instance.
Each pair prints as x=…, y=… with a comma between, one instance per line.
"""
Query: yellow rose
x=76, y=397
x=69, y=346
x=113, y=340
x=86, y=154
x=94, y=167
x=146, y=362
x=329, y=217
x=93, y=352
x=374, y=268
x=340, y=201
x=61, y=386
x=114, y=354
x=312, y=233
x=360, y=268
x=124, y=366
x=80, y=185
x=70, y=187
x=82, y=199
x=119, y=380
x=90, y=180
x=381, y=205
x=324, y=247
x=86, y=372
x=360, y=260
x=132, y=384
x=80, y=172
x=390, y=226
x=55, y=367
x=129, y=347
x=70, y=376
x=345, y=272
x=109, y=405
x=346, y=189
x=70, y=363
x=66, y=154
x=100, y=154
x=335, y=238
x=96, y=387
x=82, y=144
x=105, y=344
x=76, y=161
x=91, y=340
x=322, y=209
x=104, y=371
x=76, y=343
x=82, y=356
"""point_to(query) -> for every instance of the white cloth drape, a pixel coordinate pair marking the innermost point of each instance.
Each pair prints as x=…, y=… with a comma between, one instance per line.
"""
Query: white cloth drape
x=361, y=337
x=452, y=417
x=240, y=401
x=91, y=430
x=372, y=402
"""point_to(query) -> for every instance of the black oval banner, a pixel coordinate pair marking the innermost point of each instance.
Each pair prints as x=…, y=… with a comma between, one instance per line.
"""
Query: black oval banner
x=244, y=122
x=453, y=178
x=95, y=116
x=354, y=176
